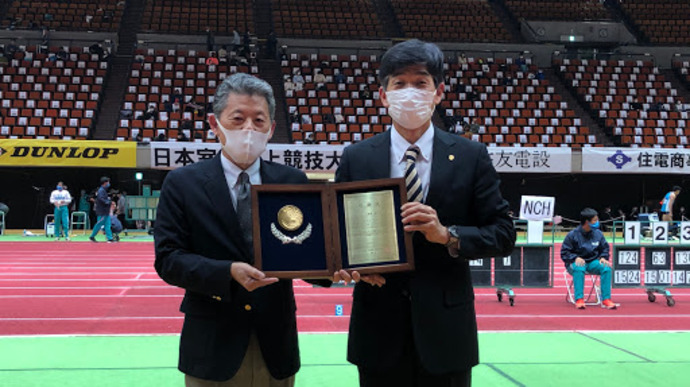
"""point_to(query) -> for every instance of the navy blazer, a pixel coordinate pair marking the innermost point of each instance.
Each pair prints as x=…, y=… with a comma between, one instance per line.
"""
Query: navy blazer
x=197, y=236
x=436, y=301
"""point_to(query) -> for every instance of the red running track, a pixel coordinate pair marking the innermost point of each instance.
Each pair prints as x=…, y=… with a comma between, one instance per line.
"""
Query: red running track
x=86, y=288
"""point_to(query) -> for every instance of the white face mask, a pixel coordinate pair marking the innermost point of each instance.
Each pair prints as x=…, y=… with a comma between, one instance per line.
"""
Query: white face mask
x=244, y=146
x=411, y=107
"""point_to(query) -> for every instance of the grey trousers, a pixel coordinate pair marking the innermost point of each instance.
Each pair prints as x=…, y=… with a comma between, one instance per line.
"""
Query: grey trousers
x=252, y=373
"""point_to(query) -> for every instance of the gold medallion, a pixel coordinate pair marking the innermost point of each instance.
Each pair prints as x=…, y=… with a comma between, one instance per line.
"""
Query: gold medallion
x=290, y=218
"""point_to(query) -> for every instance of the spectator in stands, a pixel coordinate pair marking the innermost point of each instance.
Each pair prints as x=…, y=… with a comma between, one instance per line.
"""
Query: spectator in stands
x=212, y=60
x=151, y=113
x=606, y=217
x=283, y=52
x=309, y=138
x=419, y=328
x=295, y=117
x=187, y=125
x=474, y=126
x=306, y=119
x=161, y=137
x=682, y=214
x=247, y=41
x=318, y=76
x=338, y=77
x=62, y=54
x=4, y=208
x=45, y=38
x=339, y=119
x=658, y=106
x=102, y=211
x=462, y=59
x=328, y=119
x=667, y=203
x=181, y=137
x=473, y=95
x=97, y=49
x=636, y=105
x=3, y=59
x=139, y=138
x=585, y=250
x=298, y=79
x=223, y=54
x=634, y=213
x=177, y=95
x=365, y=94
x=61, y=199
x=540, y=75
x=210, y=40
x=12, y=49
x=508, y=80
x=271, y=45
x=680, y=107
x=522, y=63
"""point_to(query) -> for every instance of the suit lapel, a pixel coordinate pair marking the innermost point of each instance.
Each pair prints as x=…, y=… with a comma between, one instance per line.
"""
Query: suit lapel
x=216, y=188
x=444, y=160
x=381, y=155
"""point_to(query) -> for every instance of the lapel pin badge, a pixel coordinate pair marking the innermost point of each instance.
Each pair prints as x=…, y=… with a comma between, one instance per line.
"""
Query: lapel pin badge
x=451, y=157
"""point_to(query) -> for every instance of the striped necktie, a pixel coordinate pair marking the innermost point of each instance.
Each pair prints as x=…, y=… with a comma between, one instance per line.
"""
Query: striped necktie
x=415, y=192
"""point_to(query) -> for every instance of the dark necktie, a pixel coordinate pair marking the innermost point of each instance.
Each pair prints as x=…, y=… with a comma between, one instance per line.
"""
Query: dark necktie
x=415, y=191
x=244, y=210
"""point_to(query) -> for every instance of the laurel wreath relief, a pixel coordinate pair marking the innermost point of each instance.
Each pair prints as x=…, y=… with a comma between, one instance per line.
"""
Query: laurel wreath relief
x=286, y=239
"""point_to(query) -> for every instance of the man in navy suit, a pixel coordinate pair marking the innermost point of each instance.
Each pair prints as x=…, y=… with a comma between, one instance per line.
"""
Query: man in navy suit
x=239, y=327
x=419, y=328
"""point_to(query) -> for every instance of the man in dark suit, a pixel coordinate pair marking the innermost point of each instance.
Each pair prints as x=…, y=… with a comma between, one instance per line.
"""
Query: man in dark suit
x=240, y=327
x=419, y=328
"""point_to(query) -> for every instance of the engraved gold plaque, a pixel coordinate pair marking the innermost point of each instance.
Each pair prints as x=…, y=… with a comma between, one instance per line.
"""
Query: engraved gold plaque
x=290, y=217
x=372, y=235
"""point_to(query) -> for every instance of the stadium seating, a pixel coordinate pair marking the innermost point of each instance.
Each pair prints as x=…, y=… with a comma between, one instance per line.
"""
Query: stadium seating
x=512, y=106
x=326, y=19
x=450, y=20
x=73, y=15
x=156, y=78
x=682, y=68
x=362, y=118
x=571, y=10
x=194, y=16
x=45, y=98
x=662, y=22
x=609, y=89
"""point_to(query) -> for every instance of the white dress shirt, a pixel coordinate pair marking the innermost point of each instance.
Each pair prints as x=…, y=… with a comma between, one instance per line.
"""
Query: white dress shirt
x=398, y=162
x=232, y=172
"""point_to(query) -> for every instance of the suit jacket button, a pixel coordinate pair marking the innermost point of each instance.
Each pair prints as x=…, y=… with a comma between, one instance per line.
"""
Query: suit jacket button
x=247, y=307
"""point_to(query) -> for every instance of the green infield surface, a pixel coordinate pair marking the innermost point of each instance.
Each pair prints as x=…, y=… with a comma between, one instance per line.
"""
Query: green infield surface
x=508, y=359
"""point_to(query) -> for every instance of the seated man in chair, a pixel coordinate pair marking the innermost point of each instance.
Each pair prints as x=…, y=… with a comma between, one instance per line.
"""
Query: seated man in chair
x=585, y=250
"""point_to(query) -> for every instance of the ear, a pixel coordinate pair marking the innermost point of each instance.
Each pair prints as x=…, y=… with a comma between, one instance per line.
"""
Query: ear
x=439, y=93
x=384, y=98
x=216, y=130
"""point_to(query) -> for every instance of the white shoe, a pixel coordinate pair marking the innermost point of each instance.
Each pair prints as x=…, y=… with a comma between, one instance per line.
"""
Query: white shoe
x=57, y=239
x=67, y=238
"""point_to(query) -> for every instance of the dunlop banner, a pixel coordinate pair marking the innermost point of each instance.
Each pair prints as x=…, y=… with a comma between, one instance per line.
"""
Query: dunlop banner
x=68, y=153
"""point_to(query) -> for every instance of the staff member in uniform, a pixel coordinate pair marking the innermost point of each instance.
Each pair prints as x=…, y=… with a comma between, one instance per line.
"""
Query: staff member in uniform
x=61, y=199
x=419, y=328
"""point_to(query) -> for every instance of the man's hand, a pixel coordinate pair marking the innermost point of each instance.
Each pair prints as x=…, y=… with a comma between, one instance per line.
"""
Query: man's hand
x=605, y=262
x=250, y=277
x=371, y=279
x=420, y=217
x=579, y=262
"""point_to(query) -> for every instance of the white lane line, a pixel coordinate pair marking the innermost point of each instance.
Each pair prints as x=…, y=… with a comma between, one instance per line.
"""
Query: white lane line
x=120, y=318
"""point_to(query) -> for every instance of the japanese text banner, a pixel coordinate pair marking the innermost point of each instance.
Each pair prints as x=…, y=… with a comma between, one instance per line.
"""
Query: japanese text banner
x=635, y=160
x=531, y=160
x=309, y=158
x=68, y=153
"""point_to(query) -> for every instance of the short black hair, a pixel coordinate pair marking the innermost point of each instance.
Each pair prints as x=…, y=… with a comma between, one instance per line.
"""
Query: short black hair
x=410, y=53
x=676, y=188
x=587, y=214
x=104, y=179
